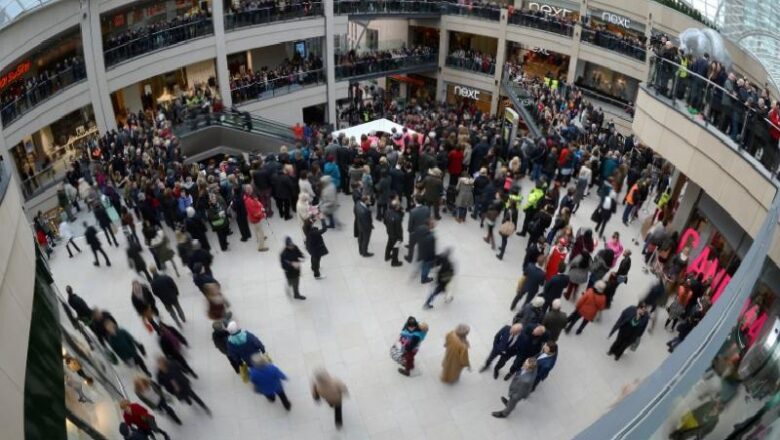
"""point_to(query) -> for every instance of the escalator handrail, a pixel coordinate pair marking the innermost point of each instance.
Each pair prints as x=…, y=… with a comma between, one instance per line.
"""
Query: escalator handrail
x=235, y=120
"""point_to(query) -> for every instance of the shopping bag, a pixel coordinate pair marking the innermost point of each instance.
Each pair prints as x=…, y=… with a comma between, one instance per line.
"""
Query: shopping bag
x=397, y=353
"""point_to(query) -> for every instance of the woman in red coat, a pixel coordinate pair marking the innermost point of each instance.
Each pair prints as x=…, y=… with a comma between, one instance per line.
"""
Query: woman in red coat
x=554, y=259
x=588, y=306
x=455, y=164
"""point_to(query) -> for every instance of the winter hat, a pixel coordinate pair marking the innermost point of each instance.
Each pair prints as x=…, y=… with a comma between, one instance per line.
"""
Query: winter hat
x=190, y=212
x=537, y=302
x=600, y=286
x=232, y=327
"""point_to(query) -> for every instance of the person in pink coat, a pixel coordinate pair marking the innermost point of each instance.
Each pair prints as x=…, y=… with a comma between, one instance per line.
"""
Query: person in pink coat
x=615, y=246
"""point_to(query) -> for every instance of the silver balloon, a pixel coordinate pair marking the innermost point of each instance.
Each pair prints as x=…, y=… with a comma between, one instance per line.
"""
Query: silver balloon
x=698, y=41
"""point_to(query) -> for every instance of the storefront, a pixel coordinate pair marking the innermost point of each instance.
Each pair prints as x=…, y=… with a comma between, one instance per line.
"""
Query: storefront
x=615, y=23
x=605, y=81
x=163, y=89
x=42, y=157
x=566, y=10
x=538, y=62
x=469, y=98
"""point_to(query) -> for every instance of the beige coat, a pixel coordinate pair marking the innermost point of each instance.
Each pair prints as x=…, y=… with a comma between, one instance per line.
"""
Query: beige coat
x=329, y=388
x=456, y=358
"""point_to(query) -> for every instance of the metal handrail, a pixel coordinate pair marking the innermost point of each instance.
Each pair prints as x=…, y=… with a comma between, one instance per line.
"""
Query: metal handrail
x=636, y=52
x=465, y=63
x=663, y=71
x=382, y=65
x=78, y=74
x=238, y=120
x=280, y=83
x=521, y=18
x=265, y=14
x=154, y=35
x=363, y=7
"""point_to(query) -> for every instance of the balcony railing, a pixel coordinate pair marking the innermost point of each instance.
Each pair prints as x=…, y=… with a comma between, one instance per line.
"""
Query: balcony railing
x=42, y=92
x=397, y=7
x=370, y=68
x=272, y=13
x=727, y=110
x=117, y=53
x=472, y=65
x=492, y=13
x=258, y=89
x=614, y=43
x=541, y=22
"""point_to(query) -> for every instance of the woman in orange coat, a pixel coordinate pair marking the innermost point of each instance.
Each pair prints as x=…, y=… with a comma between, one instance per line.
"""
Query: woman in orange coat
x=588, y=306
x=680, y=305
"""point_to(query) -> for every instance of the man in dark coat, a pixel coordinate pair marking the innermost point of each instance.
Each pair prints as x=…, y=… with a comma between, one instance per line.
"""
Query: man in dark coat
x=554, y=320
x=426, y=250
x=105, y=223
x=395, y=231
x=534, y=279
x=219, y=336
x=196, y=228
x=630, y=326
x=90, y=234
x=553, y=289
x=418, y=217
x=505, y=345
x=291, y=258
x=164, y=288
x=545, y=361
x=240, y=209
x=532, y=338
x=77, y=303
x=315, y=245
x=364, y=222
x=172, y=378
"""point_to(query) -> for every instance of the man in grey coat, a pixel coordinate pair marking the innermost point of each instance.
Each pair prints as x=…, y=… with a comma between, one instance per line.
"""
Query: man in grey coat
x=418, y=217
x=520, y=388
x=364, y=226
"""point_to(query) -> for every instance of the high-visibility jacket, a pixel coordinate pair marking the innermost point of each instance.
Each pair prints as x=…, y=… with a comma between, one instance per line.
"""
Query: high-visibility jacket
x=533, y=198
x=514, y=201
x=554, y=84
x=682, y=71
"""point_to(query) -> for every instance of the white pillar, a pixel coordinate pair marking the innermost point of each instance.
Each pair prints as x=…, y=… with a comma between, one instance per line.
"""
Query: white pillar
x=330, y=62
x=500, y=57
x=687, y=205
x=223, y=74
x=574, y=58
x=96, y=67
x=444, y=48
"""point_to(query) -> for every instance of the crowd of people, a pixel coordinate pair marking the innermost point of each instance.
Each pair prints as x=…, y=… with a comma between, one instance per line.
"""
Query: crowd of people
x=627, y=44
x=251, y=12
x=138, y=40
x=249, y=85
x=541, y=20
x=354, y=63
x=726, y=99
x=447, y=160
x=471, y=59
x=23, y=94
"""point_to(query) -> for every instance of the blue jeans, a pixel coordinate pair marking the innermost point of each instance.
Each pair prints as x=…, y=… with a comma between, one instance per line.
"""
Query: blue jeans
x=425, y=269
x=536, y=171
x=627, y=212
x=439, y=289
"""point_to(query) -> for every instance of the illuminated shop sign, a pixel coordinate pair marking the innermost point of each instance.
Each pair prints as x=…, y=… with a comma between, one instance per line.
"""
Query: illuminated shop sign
x=549, y=9
x=15, y=74
x=705, y=264
x=466, y=92
x=619, y=20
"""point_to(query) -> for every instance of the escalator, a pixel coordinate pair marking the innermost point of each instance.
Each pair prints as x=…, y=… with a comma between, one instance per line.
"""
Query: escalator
x=205, y=134
x=523, y=102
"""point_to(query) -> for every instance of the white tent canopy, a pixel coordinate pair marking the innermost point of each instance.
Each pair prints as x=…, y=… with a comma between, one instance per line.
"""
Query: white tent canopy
x=378, y=126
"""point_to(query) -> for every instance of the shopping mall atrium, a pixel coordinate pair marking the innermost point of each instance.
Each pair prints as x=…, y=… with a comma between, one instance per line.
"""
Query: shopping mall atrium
x=577, y=202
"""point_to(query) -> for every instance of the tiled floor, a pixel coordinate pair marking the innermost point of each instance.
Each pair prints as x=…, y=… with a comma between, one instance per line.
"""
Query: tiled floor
x=347, y=325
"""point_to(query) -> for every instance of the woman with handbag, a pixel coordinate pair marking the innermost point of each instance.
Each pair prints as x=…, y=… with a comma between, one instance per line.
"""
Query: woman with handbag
x=506, y=230
x=408, y=343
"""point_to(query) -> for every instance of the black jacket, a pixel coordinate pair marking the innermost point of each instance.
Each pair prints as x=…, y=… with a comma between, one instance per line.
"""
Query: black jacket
x=363, y=217
x=174, y=378
x=534, y=279
x=426, y=244
x=80, y=306
x=418, y=216
x=165, y=288
x=146, y=300
x=394, y=224
x=196, y=227
x=289, y=256
x=90, y=234
x=315, y=245
x=553, y=289
x=501, y=342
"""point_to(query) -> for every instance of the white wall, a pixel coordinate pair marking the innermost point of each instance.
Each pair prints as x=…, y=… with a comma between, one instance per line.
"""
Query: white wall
x=288, y=109
x=200, y=72
x=17, y=266
x=132, y=96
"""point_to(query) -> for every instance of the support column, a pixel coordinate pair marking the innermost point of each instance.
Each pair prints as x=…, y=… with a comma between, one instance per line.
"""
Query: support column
x=686, y=204
x=444, y=48
x=96, y=67
x=500, y=57
x=330, y=62
x=223, y=74
x=574, y=58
